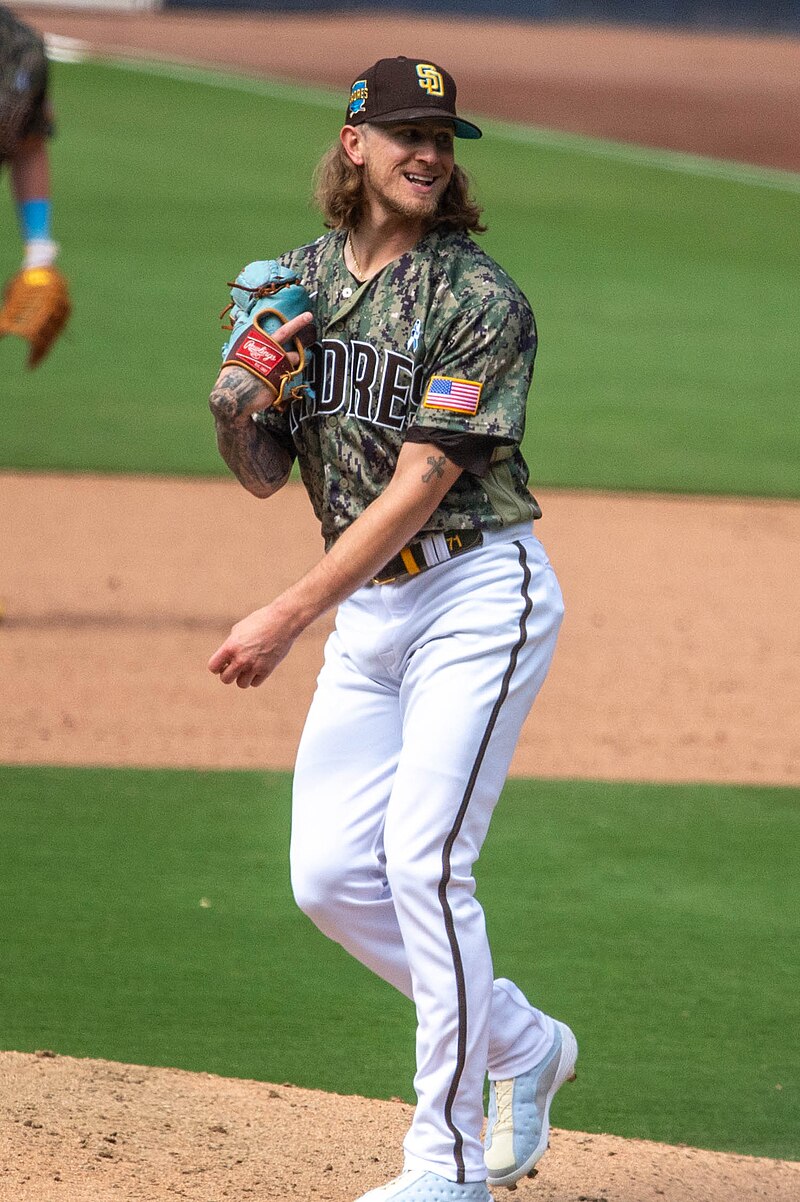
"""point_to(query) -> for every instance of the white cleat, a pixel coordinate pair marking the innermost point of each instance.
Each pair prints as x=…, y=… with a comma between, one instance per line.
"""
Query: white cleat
x=519, y=1112
x=417, y=1185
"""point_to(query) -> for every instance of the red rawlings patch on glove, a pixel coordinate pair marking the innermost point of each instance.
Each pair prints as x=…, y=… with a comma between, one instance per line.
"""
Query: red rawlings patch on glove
x=259, y=353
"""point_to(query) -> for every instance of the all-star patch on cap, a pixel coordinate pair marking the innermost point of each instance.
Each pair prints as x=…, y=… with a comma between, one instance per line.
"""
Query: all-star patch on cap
x=406, y=89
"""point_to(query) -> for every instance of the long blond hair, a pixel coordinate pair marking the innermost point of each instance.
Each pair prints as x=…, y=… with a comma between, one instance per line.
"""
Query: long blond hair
x=339, y=194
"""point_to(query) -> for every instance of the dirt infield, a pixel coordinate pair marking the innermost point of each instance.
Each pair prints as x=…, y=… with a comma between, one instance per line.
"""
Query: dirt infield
x=679, y=659
x=676, y=660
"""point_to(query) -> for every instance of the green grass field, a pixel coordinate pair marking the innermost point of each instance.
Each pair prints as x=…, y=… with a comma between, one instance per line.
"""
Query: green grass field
x=666, y=301
x=659, y=921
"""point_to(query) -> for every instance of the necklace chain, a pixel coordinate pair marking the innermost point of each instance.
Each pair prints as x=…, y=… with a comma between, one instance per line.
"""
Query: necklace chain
x=354, y=256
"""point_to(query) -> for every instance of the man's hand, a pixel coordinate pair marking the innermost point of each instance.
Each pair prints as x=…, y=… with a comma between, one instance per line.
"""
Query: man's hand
x=238, y=394
x=254, y=648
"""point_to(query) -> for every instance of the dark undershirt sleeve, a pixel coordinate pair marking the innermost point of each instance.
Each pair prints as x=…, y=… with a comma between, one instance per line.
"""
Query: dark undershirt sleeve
x=471, y=452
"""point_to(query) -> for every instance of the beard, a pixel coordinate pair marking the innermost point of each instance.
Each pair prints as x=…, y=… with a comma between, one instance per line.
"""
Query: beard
x=416, y=208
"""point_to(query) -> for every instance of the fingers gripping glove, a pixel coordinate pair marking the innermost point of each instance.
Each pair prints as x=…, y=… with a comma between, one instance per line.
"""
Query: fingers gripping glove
x=36, y=307
x=264, y=297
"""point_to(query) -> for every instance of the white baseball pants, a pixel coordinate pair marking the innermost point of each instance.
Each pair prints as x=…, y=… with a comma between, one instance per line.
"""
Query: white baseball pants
x=418, y=708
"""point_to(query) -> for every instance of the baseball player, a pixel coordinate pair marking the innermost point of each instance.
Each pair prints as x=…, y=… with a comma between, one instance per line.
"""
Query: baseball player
x=406, y=423
x=36, y=303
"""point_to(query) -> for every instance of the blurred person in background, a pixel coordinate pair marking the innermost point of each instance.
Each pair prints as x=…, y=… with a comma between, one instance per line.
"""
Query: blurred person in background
x=26, y=123
x=36, y=304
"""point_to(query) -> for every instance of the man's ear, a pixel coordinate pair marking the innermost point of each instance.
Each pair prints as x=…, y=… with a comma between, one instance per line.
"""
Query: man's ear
x=352, y=139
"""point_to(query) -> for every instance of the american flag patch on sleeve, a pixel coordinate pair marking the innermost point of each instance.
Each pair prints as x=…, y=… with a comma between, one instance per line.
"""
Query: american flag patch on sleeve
x=445, y=392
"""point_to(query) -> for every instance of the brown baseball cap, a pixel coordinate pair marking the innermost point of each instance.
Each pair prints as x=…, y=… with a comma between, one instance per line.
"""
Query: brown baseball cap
x=406, y=89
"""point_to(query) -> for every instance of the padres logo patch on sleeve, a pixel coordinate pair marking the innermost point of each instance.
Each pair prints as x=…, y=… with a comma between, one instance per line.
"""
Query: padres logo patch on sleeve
x=446, y=392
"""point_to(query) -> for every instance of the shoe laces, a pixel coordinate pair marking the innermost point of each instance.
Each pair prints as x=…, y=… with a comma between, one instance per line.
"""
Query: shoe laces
x=504, y=1099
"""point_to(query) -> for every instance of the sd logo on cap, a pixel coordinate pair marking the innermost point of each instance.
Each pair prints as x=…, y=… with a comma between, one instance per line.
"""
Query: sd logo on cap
x=406, y=89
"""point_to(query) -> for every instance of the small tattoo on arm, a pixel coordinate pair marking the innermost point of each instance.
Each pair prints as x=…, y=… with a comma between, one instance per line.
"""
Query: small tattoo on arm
x=436, y=468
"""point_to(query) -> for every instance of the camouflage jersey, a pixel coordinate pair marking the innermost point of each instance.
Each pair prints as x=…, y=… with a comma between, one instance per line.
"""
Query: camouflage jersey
x=441, y=342
x=24, y=108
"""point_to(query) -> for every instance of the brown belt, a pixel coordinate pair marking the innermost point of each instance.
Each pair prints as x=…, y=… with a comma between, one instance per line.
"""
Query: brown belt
x=412, y=559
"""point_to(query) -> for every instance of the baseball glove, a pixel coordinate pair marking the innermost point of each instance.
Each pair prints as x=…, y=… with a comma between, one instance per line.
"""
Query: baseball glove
x=36, y=307
x=264, y=296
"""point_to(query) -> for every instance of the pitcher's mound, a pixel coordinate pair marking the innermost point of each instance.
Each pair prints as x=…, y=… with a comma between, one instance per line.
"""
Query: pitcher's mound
x=95, y=1131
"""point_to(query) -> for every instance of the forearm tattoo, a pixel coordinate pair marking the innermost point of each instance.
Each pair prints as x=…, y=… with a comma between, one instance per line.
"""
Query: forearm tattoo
x=254, y=457
x=235, y=395
x=436, y=468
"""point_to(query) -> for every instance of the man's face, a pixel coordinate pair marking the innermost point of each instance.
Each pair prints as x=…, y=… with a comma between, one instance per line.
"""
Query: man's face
x=408, y=166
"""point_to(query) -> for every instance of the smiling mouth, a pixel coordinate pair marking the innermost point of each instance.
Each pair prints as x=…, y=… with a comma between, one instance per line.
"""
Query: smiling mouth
x=420, y=181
